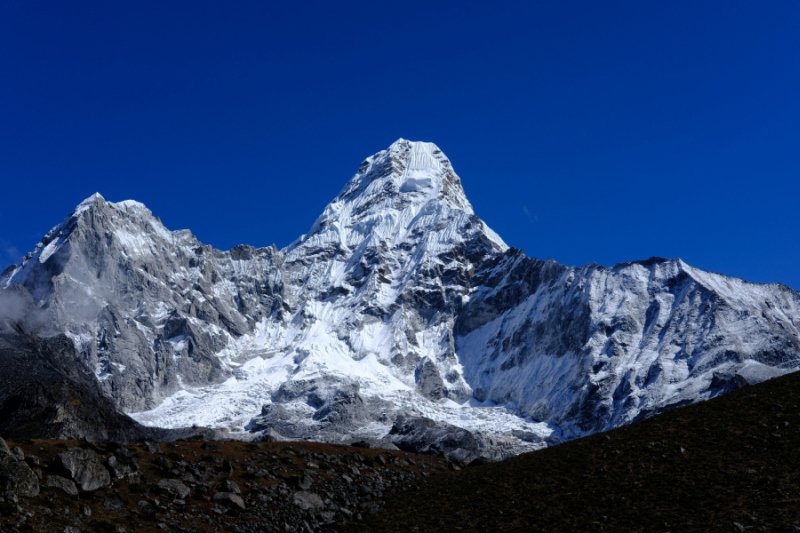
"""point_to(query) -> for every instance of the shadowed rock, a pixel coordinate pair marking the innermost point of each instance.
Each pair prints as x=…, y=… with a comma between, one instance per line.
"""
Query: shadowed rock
x=84, y=468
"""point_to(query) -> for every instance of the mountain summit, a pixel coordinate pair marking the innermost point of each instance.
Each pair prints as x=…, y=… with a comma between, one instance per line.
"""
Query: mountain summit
x=396, y=193
x=400, y=318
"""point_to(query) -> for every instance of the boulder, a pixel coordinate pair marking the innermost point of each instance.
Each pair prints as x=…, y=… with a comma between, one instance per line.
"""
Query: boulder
x=5, y=454
x=308, y=501
x=123, y=465
x=230, y=486
x=84, y=468
x=230, y=499
x=422, y=435
x=62, y=483
x=118, y=471
x=174, y=488
x=17, y=478
x=18, y=454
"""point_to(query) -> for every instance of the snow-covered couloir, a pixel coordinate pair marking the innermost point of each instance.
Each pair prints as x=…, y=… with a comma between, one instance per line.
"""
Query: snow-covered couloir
x=400, y=318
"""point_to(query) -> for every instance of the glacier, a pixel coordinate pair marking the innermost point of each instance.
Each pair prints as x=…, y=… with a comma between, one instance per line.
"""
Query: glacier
x=400, y=318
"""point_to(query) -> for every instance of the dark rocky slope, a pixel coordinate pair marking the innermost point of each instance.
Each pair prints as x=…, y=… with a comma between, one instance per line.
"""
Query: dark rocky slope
x=195, y=485
x=730, y=464
x=44, y=394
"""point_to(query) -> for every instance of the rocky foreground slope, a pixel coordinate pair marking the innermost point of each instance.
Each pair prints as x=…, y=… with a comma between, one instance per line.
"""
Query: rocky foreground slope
x=196, y=485
x=400, y=318
x=730, y=464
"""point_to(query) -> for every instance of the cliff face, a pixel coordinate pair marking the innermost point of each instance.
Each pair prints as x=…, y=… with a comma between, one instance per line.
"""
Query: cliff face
x=398, y=301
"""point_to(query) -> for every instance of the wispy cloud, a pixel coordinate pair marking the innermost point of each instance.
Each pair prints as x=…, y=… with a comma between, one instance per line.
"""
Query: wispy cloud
x=533, y=218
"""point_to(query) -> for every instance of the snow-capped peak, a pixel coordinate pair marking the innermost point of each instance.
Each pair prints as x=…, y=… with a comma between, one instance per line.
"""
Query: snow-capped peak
x=398, y=302
x=394, y=193
x=422, y=167
x=88, y=203
x=97, y=200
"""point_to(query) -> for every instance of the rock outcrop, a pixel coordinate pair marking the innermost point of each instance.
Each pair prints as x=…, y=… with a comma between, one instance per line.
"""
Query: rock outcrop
x=398, y=301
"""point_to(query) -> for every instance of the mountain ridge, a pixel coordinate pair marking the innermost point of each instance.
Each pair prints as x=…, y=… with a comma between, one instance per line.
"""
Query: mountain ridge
x=398, y=299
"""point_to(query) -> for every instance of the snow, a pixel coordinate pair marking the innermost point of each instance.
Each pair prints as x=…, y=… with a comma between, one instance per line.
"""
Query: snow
x=321, y=345
x=49, y=250
x=416, y=184
x=229, y=405
x=134, y=244
x=131, y=204
x=88, y=203
x=373, y=293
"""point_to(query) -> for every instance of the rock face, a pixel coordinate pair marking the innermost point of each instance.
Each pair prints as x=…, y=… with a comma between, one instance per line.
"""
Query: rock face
x=144, y=305
x=593, y=348
x=423, y=435
x=46, y=393
x=398, y=301
x=84, y=468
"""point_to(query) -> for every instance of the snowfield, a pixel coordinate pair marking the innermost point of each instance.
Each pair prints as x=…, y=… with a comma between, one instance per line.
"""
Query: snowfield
x=399, y=318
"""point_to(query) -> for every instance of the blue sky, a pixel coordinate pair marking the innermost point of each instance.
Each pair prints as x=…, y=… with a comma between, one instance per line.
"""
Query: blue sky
x=583, y=131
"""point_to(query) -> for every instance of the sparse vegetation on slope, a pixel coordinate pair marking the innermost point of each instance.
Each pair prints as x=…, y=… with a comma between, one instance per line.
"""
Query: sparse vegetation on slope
x=196, y=485
x=730, y=464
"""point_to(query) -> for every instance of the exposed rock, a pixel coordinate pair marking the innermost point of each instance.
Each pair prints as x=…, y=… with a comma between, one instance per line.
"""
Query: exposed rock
x=230, y=486
x=18, y=479
x=114, y=503
x=174, y=488
x=400, y=283
x=342, y=407
x=268, y=435
x=429, y=382
x=17, y=453
x=231, y=499
x=5, y=452
x=61, y=483
x=276, y=478
x=43, y=394
x=146, y=509
x=123, y=464
x=308, y=501
x=305, y=482
x=422, y=435
x=84, y=468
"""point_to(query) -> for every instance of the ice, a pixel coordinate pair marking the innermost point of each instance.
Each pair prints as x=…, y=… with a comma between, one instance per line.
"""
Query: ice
x=49, y=250
x=398, y=282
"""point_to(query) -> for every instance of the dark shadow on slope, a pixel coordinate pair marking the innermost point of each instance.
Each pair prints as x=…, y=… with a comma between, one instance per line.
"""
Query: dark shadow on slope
x=729, y=464
x=45, y=394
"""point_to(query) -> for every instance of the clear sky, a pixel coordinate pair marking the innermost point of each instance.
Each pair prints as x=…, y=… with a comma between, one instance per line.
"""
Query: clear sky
x=582, y=131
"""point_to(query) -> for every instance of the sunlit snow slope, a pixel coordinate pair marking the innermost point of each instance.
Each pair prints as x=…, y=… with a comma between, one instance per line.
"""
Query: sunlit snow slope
x=400, y=317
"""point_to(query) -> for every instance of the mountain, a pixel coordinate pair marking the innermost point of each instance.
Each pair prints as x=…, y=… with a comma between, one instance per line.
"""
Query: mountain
x=45, y=395
x=399, y=318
